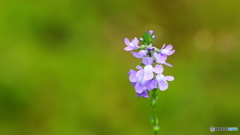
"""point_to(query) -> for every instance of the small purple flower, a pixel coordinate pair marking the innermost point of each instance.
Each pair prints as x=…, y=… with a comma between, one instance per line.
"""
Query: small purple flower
x=131, y=45
x=162, y=81
x=148, y=69
x=138, y=81
x=132, y=77
x=167, y=50
x=151, y=84
x=161, y=59
x=136, y=78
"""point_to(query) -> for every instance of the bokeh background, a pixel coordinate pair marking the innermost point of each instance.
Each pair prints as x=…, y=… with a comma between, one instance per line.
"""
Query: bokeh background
x=63, y=70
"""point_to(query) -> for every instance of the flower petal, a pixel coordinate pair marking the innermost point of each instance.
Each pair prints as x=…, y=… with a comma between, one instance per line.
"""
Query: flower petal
x=152, y=84
x=133, y=84
x=143, y=52
x=158, y=69
x=135, y=42
x=160, y=77
x=155, y=55
x=164, y=51
x=137, y=55
x=142, y=81
x=128, y=48
x=169, y=47
x=163, y=46
x=143, y=94
x=139, y=73
x=150, y=60
x=148, y=73
x=139, y=88
x=126, y=40
x=169, y=78
x=131, y=71
x=163, y=57
x=171, y=52
x=147, y=60
x=133, y=77
x=131, y=45
x=160, y=58
x=165, y=63
x=163, y=85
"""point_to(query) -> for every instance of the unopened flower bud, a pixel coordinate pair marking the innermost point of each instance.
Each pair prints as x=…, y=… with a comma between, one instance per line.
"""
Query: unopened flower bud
x=154, y=120
x=154, y=102
x=156, y=129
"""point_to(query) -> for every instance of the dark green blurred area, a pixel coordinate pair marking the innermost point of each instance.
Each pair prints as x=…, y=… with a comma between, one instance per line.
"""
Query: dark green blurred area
x=63, y=70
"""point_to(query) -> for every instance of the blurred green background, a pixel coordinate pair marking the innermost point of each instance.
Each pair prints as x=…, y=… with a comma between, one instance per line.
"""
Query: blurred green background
x=63, y=70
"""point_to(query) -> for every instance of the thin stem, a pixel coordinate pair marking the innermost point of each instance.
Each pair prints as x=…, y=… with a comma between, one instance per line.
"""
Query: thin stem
x=154, y=119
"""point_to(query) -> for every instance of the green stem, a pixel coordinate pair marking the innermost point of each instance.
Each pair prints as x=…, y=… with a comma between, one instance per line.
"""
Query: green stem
x=154, y=119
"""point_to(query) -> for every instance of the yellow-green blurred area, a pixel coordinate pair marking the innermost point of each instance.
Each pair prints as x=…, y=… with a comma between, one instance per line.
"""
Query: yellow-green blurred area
x=63, y=70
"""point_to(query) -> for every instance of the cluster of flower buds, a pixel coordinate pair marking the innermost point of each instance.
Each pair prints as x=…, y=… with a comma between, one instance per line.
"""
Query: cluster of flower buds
x=150, y=72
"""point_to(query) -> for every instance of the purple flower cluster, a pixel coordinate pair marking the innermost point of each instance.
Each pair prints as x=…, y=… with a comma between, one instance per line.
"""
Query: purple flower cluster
x=149, y=74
